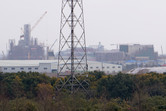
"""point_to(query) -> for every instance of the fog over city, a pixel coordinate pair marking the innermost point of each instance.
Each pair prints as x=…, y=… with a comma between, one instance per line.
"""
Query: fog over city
x=106, y=21
x=83, y=55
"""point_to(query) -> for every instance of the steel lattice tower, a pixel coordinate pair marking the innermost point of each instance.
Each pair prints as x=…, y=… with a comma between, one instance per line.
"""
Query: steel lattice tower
x=72, y=58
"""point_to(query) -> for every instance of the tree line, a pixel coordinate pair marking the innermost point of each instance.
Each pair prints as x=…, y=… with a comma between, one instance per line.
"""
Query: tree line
x=122, y=92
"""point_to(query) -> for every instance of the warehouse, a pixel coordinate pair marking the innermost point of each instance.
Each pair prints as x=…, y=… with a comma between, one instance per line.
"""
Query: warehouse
x=41, y=66
x=50, y=66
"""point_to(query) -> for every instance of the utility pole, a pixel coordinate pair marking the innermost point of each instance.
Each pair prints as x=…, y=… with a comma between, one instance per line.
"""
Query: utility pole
x=72, y=57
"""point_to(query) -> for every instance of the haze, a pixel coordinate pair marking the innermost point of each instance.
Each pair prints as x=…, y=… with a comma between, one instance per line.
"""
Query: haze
x=106, y=21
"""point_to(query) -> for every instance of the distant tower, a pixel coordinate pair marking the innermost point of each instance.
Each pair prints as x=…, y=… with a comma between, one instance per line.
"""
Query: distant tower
x=72, y=41
x=27, y=34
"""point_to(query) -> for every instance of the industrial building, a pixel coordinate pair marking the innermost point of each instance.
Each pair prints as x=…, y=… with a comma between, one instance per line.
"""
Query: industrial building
x=27, y=48
x=105, y=67
x=110, y=56
x=90, y=51
x=125, y=52
x=50, y=66
x=140, y=52
x=145, y=70
x=14, y=66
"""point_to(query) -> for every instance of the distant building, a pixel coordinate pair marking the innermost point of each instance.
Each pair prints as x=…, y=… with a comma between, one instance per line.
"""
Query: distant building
x=110, y=56
x=50, y=55
x=27, y=48
x=105, y=67
x=50, y=66
x=14, y=66
x=144, y=70
x=98, y=47
x=90, y=51
x=140, y=52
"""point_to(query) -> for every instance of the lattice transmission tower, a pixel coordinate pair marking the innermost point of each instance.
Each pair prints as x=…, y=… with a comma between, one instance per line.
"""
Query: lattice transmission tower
x=72, y=57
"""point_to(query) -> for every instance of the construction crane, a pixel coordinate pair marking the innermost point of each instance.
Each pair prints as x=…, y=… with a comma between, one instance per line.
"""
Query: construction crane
x=53, y=45
x=22, y=35
x=38, y=21
x=33, y=27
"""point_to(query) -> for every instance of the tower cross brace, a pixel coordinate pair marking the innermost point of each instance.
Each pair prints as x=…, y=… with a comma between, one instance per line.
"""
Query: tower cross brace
x=72, y=57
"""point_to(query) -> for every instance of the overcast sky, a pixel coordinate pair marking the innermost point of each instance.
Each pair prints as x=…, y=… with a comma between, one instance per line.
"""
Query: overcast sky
x=106, y=21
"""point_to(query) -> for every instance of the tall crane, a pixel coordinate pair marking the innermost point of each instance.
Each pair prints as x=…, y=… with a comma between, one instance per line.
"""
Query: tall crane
x=33, y=27
x=38, y=21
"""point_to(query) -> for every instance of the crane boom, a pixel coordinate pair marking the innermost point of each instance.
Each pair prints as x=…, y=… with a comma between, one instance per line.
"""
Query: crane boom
x=39, y=21
x=53, y=44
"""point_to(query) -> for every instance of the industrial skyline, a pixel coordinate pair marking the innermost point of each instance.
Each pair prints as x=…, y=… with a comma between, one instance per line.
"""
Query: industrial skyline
x=108, y=22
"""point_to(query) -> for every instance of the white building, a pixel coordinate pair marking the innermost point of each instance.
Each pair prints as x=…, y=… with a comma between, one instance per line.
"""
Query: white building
x=42, y=66
x=106, y=67
x=50, y=66
x=148, y=70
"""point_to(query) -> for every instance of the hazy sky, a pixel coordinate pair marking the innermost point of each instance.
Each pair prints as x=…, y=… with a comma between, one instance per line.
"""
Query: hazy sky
x=106, y=21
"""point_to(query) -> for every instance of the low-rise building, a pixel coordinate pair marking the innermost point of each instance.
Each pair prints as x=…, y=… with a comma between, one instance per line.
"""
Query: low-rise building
x=50, y=66
x=13, y=66
x=144, y=70
x=105, y=67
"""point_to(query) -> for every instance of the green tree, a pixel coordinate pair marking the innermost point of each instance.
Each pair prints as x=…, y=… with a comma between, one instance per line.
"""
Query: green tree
x=45, y=95
x=118, y=86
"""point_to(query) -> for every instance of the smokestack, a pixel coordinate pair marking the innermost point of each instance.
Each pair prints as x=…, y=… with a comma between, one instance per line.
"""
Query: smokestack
x=27, y=34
